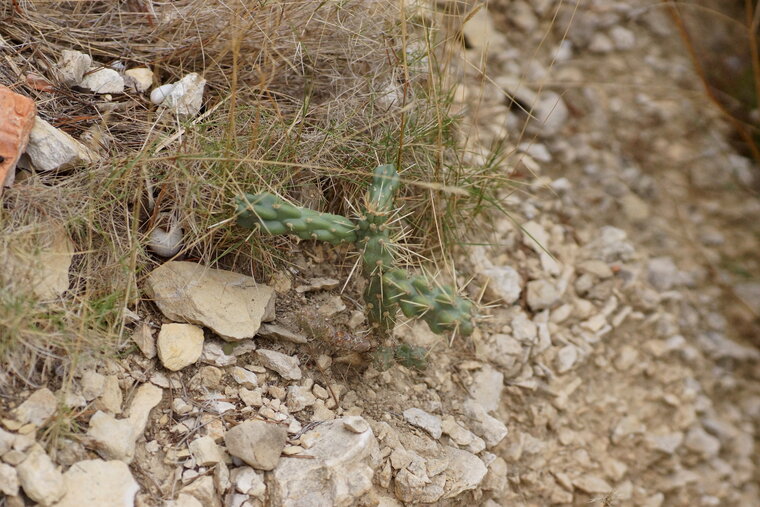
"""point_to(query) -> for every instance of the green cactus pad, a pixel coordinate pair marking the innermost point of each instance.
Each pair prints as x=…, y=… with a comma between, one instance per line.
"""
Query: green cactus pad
x=276, y=216
x=440, y=307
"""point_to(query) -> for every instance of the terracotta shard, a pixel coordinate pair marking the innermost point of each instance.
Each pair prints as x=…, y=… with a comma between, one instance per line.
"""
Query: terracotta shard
x=16, y=120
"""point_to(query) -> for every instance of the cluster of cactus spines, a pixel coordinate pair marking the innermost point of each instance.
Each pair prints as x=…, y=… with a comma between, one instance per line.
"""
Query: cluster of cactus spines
x=389, y=288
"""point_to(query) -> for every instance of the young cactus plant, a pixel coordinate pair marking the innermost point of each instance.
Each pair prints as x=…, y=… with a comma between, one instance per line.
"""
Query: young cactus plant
x=389, y=288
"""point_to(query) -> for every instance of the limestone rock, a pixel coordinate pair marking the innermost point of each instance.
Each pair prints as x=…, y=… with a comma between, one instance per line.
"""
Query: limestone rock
x=230, y=304
x=50, y=148
x=505, y=282
x=428, y=422
x=39, y=477
x=140, y=78
x=72, y=65
x=204, y=491
x=143, y=338
x=186, y=96
x=93, y=384
x=542, y=294
x=205, y=451
x=299, y=398
x=95, y=483
x=280, y=333
x=42, y=264
x=8, y=480
x=38, y=408
x=257, y=443
x=464, y=472
x=248, y=481
x=487, y=386
x=286, y=366
x=340, y=473
x=103, y=81
x=592, y=484
x=116, y=438
x=179, y=345
x=489, y=428
x=244, y=377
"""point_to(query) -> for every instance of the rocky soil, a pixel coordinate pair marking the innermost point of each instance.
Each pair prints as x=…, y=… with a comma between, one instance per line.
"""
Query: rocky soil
x=617, y=365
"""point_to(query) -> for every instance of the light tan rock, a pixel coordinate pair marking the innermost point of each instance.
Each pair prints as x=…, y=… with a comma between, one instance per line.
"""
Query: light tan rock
x=95, y=483
x=42, y=263
x=39, y=477
x=140, y=78
x=116, y=438
x=38, y=409
x=339, y=474
x=50, y=148
x=205, y=451
x=230, y=304
x=143, y=338
x=179, y=345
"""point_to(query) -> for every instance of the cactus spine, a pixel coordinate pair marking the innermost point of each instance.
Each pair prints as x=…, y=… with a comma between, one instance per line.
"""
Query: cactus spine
x=389, y=288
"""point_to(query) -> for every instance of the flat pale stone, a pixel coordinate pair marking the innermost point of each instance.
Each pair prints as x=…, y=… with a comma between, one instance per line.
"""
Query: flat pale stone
x=286, y=366
x=39, y=477
x=50, y=148
x=205, y=451
x=42, y=263
x=179, y=345
x=230, y=304
x=143, y=338
x=103, y=81
x=340, y=472
x=428, y=422
x=140, y=78
x=95, y=483
x=8, y=480
x=257, y=443
x=116, y=438
x=186, y=96
x=72, y=65
x=38, y=409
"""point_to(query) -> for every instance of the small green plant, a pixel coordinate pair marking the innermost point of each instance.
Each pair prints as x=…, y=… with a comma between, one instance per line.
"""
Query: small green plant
x=389, y=288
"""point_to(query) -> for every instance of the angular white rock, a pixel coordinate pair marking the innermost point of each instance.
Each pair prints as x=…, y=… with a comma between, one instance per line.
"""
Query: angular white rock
x=37, y=409
x=39, y=477
x=186, y=95
x=205, y=451
x=95, y=483
x=140, y=78
x=50, y=148
x=257, y=443
x=489, y=428
x=487, y=386
x=8, y=480
x=230, y=304
x=103, y=81
x=428, y=422
x=116, y=438
x=72, y=65
x=285, y=365
x=244, y=377
x=340, y=473
x=179, y=345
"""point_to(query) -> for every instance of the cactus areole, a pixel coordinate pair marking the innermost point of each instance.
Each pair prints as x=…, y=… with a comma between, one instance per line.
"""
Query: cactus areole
x=389, y=288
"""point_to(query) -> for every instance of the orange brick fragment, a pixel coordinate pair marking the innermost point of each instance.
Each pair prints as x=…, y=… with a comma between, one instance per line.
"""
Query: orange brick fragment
x=16, y=121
